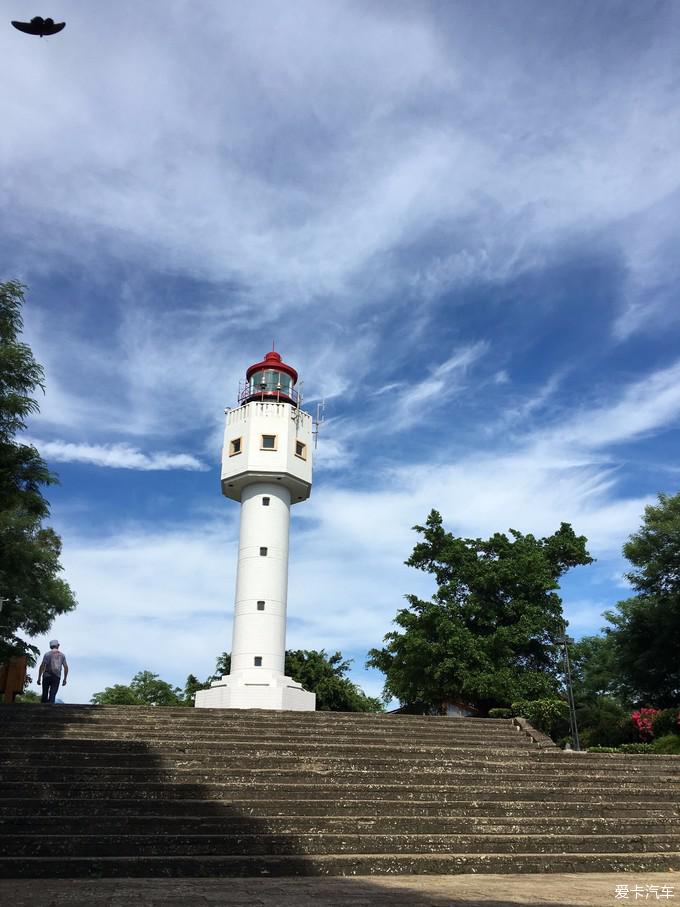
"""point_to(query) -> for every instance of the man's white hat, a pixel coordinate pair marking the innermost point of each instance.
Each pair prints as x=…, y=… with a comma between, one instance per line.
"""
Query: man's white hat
x=54, y=644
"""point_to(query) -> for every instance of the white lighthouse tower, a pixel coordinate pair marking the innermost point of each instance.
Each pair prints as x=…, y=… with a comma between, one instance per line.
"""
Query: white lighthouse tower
x=267, y=466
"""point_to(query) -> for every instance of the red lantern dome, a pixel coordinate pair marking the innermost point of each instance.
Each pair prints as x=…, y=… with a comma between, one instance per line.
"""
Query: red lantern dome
x=271, y=380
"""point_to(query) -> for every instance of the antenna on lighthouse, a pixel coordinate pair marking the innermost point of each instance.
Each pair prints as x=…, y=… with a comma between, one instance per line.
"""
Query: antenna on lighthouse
x=318, y=422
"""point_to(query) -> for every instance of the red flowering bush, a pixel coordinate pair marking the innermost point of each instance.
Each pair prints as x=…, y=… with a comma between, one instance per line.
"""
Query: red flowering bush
x=643, y=719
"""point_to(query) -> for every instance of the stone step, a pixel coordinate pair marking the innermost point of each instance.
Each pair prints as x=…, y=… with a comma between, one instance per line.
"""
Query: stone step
x=330, y=774
x=277, y=728
x=242, y=718
x=188, y=756
x=521, y=747
x=74, y=713
x=265, y=844
x=56, y=719
x=170, y=738
x=264, y=732
x=232, y=823
x=221, y=766
x=156, y=749
x=133, y=791
x=188, y=768
x=296, y=722
x=331, y=806
x=25, y=749
x=527, y=751
x=228, y=749
x=321, y=785
x=332, y=865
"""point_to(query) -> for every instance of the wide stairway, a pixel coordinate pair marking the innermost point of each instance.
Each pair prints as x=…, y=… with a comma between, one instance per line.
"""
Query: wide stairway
x=130, y=791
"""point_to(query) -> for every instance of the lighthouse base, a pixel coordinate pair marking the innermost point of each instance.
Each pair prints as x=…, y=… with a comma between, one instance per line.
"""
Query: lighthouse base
x=256, y=690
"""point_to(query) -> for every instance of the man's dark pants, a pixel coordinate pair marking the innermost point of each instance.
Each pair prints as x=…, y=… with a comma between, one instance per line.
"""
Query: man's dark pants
x=50, y=684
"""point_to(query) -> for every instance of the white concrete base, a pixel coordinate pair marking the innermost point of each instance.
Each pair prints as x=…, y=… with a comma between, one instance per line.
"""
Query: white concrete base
x=256, y=689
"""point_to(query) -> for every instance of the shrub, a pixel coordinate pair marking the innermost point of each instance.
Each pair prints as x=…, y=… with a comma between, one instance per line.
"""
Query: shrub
x=604, y=722
x=665, y=722
x=545, y=715
x=500, y=713
x=669, y=744
x=639, y=748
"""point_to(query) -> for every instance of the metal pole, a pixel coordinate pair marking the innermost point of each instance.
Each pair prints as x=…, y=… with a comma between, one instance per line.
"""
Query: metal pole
x=573, y=726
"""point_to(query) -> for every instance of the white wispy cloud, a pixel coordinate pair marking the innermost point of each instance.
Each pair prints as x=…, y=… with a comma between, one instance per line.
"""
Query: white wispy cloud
x=443, y=382
x=115, y=456
x=520, y=412
x=642, y=407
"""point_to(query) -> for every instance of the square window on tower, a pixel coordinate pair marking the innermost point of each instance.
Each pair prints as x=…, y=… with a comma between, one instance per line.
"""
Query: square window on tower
x=265, y=502
x=260, y=606
x=268, y=442
x=258, y=661
x=263, y=552
x=235, y=447
x=301, y=450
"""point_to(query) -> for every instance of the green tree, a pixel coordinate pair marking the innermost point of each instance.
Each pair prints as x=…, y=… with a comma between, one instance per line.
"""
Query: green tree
x=222, y=667
x=191, y=687
x=154, y=691
x=325, y=675
x=118, y=694
x=594, y=671
x=601, y=713
x=145, y=688
x=30, y=586
x=488, y=635
x=645, y=631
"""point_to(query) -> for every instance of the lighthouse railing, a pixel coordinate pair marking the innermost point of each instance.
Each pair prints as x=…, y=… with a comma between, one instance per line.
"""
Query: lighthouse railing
x=246, y=393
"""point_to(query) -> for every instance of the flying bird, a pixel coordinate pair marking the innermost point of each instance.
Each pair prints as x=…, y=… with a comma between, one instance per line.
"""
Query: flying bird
x=39, y=26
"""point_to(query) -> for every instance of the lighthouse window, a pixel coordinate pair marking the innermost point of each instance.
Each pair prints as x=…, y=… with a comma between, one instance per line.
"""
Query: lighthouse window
x=263, y=552
x=268, y=442
x=260, y=606
x=265, y=502
x=235, y=447
x=258, y=661
x=301, y=450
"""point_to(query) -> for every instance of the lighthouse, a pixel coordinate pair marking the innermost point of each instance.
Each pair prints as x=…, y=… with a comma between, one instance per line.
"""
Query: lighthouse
x=266, y=467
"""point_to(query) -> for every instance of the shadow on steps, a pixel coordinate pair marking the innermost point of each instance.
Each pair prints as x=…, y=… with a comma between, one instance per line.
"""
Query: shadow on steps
x=88, y=807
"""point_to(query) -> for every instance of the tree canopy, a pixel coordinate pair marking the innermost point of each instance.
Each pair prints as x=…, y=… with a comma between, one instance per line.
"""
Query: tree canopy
x=593, y=668
x=488, y=635
x=645, y=631
x=33, y=593
x=325, y=675
x=145, y=688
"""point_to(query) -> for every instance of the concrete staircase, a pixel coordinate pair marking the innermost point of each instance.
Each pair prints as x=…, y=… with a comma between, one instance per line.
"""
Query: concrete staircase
x=129, y=791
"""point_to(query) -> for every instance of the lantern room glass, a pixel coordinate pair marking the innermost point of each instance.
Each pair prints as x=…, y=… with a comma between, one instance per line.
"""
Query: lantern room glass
x=270, y=381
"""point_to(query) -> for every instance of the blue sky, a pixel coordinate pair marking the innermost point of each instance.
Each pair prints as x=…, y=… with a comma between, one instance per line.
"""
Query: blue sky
x=458, y=221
